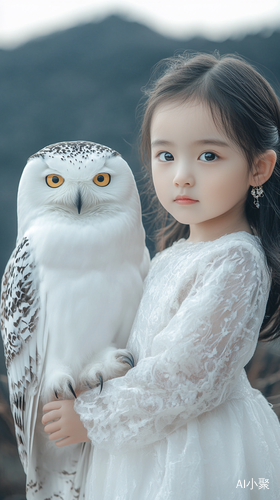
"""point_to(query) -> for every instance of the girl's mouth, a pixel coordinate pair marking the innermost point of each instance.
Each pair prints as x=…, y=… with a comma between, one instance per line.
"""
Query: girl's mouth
x=184, y=200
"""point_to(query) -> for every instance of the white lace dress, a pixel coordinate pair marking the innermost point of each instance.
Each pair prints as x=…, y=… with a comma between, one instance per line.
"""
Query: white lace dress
x=185, y=423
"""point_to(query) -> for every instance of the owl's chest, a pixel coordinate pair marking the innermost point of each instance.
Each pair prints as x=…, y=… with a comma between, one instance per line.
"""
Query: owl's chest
x=76, y=272
x=78, y=286
x=81, y=278
x=72, y=248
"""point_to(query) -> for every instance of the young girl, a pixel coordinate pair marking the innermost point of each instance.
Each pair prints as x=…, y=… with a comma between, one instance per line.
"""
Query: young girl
x=185, y=423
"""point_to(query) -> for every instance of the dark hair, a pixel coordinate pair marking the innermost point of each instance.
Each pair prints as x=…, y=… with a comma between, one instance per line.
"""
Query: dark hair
x=244, y=104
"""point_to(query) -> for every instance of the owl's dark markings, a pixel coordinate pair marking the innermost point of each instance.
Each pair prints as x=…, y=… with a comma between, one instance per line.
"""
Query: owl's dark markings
x=74, y=149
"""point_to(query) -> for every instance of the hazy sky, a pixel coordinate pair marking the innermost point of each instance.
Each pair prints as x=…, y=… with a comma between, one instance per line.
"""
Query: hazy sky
x=21, y=20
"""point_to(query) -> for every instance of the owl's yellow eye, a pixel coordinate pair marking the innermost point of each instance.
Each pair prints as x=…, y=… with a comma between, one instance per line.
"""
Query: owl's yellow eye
x=102, y=179
x=54, y=180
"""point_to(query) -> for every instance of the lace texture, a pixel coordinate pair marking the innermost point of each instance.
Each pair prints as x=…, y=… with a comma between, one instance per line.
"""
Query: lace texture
x=196, y=328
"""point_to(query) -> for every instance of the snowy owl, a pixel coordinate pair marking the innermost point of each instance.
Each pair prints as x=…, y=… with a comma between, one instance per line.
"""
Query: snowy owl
x=70, y=292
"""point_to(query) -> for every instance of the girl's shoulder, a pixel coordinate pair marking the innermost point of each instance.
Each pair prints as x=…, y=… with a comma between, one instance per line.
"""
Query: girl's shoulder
x=231, y=257
x=239, y=243
x=228, y=243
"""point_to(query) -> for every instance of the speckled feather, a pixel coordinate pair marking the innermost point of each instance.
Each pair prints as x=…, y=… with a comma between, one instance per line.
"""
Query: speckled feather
x=76, y=150
x=20, y=306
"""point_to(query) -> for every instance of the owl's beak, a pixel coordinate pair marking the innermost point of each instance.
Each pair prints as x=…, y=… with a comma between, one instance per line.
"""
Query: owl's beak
x=79, y=202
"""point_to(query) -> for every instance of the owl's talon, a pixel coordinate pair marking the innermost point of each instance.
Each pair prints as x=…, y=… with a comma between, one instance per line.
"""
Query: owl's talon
x=101, y=382
x=72, y=390
x=128, y=359
x=56, y=394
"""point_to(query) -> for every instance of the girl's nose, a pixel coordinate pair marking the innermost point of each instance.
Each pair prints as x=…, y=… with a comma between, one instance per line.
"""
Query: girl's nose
x=183, y=177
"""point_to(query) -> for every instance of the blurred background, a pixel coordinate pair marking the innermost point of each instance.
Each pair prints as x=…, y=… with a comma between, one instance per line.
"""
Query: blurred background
x=74, y=71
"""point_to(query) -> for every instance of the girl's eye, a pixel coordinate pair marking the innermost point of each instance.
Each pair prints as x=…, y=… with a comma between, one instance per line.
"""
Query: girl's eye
x=54, y=180
x=102, y=179
x=165, y=156
x=208, y=156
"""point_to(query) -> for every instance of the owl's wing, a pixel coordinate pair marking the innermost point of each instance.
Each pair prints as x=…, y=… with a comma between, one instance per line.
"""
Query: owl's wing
x=20, y=311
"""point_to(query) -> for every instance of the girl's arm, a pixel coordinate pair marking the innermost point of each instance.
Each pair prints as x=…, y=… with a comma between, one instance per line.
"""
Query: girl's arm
x=196, y=359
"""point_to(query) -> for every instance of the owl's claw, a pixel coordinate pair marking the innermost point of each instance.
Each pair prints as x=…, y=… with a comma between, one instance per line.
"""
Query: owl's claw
x=72, y=390
x=56, y=394
x=128, y=359
x=101, y=382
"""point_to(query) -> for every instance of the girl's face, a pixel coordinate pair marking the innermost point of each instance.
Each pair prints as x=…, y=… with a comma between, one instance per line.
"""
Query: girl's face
x=201, y=178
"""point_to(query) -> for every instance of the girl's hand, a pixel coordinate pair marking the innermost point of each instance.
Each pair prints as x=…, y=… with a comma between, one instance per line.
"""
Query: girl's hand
x=63, y=423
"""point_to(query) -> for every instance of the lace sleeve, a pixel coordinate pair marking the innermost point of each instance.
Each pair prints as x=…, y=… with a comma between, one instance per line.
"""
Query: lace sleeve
x=195, y=360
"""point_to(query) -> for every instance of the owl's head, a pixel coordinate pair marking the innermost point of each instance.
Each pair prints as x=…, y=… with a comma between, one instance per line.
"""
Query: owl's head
x=75, y=180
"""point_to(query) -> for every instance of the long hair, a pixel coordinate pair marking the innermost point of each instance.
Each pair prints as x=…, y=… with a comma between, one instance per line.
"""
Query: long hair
x=246, y=108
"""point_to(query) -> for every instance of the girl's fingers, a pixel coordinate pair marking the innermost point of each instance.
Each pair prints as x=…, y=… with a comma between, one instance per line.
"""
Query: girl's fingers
x=53, y=427
x=57, y=435
x=53, y=405
x=51, y=415
x=64, y=442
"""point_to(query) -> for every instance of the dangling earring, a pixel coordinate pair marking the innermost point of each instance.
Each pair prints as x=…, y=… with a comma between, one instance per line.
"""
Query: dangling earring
x=257, y=193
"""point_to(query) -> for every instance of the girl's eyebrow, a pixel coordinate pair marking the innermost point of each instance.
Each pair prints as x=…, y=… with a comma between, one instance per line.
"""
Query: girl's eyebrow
x=216, y=142
x=160, y=142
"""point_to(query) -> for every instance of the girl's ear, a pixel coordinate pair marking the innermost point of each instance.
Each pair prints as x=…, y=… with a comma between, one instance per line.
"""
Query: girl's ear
x=263, y=168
